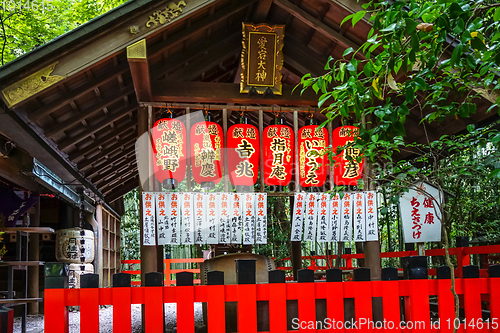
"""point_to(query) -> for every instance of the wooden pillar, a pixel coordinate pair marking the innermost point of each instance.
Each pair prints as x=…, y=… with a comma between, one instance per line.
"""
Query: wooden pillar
x=224, y=130
x=296, y=246
x=34, y=255
x=99, y=251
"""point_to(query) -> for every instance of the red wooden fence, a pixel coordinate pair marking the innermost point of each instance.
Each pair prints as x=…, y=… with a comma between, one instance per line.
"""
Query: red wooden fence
x=167, y=271
x=415, y=292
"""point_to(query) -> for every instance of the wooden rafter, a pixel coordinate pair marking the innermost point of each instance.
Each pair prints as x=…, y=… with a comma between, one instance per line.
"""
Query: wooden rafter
x=123, y=144
x=139, y=68
x=261, y=11
x=99, y=169
x=126, y=187
x=303, y=59
x=131, y=167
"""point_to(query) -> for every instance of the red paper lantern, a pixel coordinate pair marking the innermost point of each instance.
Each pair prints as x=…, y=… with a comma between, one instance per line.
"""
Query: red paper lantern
x=169, y=147
x=313, y=159
x=206, y=152
x=345, y=171
x=243, y=153
x=278, y=154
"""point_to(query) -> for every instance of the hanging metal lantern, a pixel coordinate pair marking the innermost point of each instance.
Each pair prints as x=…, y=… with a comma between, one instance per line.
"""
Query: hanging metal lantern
x=278, y=154
x=169, y=147
x=347, y=167
x=206, y=150
x=313, y=159
x=243, y=153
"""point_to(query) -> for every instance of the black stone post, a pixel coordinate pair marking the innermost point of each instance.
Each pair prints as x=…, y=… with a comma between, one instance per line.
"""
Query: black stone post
x=443, y=273
x=470, y=272
x=334, y=275
x=305, y=275
x=89, y=281
x=362, y=274
x=494, y=271
x=415, y=267
x=390, y=274
x=154, y=279
x=276, y=276
x=121, y=280
x=245, y=271
x=215, y=278
x=184, y=279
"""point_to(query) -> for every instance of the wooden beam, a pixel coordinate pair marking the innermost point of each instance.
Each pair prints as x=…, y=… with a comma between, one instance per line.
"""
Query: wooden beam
x=97, y=169
x=261, y=11
x=92, y=111
x=138, y=61
x=120, y=178
x=203, y=92
x=78, y=92
x=113, y=168
x=201, y=25
x=118, y=174
x=315, y=23
x=120, y=145
x=99, y=142
x=117, y=193
x=104, y=123
x=303, y=59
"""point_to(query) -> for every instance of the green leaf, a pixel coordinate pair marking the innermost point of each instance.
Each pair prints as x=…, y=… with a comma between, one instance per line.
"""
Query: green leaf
x=347, y=18
x=392, y=27
x=496, y=16
x=411, y=25
x=358, y=16
x=470, y=127
x=456, y=54
x=455, y=10
x=324, y=98
x=348, y=51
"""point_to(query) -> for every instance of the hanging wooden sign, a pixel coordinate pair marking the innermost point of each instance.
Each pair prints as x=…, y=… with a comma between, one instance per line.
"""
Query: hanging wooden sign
x=371, y=216
x=243, y=153
x=206, y=149
x=200, y=218
x=162, y=218
x=148, y=219
x=298, y=216
x=278, y=154
x=262, y=58
x=187, y=219
x=359, y=217
x=347, y=167
x=323, y=218
x=169, y=148
x=313, y=160
x=212, y=219
x=248, y=218
x=224, y=203
x=236, y=218
x=346, y=218
x=261, y=224
x=335, y=218
x=175, y=219
x=420, y=215
x=311, y=217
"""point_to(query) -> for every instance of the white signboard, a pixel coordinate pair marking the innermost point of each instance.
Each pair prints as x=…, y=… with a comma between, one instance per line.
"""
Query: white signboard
x=236, y=218
x=148, y=219
x=359, y=217
x=224, y=204
x=298, y=217
x=323, y=217
x=187, y=219
x=421, y=218
x=212, y=219
x=261, y=224
x=200, y=218
x=248, y=218
x=162, y=218
x=335, y=218
x=175, y=219
x=371, y=216
x=346, y=221
x=311, y=217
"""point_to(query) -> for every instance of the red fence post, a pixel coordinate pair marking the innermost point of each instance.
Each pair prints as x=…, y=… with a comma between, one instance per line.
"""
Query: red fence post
x=89, y=303
x=306, y=299
x=363, y=300
x=185, y=302
x=494, y=291
x=335, y=298
x=446, y=301
x=122, y=302
x=153, y=301
x=390, y=299
x=472, y=299
x=55, y=311
x=277, y=301
x=419, y=306
x=216, y=304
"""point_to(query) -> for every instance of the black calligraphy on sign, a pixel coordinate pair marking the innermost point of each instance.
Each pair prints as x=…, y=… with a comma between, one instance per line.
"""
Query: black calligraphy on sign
x=187, y=219
x=298, y=217
x=148, y=218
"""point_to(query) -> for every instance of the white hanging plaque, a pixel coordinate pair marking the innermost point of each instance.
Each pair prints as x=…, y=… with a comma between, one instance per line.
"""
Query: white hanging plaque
x=175, y=219
x=148, y=219
x=371, y=216
x=298, y=217
x=162, y=220
x=187, y=219
x=236, y=218
x=346, y=221
x=223, y=202
x=311, y=217
x=359, y=217
x=335, y=218
x=261, y=225
x=248, y=218
x=323, y=218
x=212, y=219
x=200, y=218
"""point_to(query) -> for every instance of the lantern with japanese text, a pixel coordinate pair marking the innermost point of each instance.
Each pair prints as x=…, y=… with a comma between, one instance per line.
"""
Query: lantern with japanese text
x=169, y=147
x=206, y=150
x=347, y=167
x=278, y=154
x=243, y=152
x=313, y=159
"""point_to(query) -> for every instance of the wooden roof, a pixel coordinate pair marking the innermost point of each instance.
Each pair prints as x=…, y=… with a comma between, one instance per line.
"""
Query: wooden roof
x=84, y=126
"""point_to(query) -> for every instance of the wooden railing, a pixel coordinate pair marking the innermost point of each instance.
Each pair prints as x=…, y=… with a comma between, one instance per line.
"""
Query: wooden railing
x=413, y=316
x=167, y=269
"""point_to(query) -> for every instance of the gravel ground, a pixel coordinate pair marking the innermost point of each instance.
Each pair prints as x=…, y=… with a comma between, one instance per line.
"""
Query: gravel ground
x=34, y=324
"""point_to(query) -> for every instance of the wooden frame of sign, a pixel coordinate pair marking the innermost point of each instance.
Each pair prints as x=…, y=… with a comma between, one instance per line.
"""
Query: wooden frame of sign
x=262, y=58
